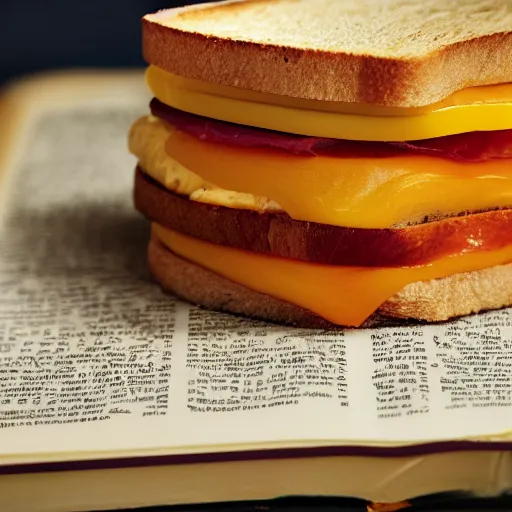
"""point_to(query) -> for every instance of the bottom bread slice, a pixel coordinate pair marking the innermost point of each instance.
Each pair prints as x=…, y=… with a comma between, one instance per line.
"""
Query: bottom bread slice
x=429, y=301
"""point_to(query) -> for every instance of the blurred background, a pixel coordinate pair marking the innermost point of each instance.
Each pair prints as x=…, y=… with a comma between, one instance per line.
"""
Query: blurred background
x=37, y=35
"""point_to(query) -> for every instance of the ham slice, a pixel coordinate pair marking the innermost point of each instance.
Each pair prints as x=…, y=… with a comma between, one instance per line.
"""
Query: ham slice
x=466, y=147
x=280, y=235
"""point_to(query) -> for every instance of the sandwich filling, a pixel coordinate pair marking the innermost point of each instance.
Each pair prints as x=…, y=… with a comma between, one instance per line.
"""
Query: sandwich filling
x=306, y=163
x=352, y=191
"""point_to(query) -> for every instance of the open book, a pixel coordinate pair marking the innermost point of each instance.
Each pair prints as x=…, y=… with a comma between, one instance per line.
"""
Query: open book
x=113, y=394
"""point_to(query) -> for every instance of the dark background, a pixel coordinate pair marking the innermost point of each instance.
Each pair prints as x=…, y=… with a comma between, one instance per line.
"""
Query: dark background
x=39, y=35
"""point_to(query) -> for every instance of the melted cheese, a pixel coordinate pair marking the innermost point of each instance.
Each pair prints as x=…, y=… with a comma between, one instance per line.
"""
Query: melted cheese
x=342, y=295
x=146, y=140
x=475, y=109
x=352, y=192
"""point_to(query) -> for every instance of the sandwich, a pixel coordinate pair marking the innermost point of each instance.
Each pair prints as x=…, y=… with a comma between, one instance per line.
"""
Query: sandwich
x=329, y=163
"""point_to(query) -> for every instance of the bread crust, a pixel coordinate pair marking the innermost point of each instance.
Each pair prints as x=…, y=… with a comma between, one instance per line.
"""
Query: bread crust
x=429, y=301
x=324, y=75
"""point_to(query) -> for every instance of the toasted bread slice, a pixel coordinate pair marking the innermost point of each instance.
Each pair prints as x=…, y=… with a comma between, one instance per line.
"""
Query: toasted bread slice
x=430, y=301
x=395, y=53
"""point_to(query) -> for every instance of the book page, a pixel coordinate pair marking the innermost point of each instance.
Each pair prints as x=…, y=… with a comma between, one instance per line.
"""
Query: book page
x=95, y=360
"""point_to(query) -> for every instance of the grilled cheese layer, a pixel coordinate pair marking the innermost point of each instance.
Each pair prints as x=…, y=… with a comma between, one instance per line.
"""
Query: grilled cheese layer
x=342, y=295
x=352, y=192
x=486, y=108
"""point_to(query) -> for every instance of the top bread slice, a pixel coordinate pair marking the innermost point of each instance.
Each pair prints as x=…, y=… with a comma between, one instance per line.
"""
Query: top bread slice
x=395, y=53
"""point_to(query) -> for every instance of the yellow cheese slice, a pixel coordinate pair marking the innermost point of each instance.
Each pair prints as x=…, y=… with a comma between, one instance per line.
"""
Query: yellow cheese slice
x=342, y=295
x=350, y=192
x=475, y=109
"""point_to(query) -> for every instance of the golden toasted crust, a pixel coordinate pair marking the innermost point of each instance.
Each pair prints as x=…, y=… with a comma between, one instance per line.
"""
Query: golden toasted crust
x=429, y=301
x=479, y=53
